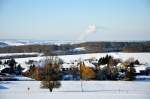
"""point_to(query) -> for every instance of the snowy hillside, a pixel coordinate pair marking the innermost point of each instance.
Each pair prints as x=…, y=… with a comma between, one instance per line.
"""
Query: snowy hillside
x=142, y=57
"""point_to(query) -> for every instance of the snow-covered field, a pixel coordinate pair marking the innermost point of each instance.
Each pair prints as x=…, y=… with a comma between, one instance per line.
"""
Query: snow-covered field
x=142, y=57
x=72, y=90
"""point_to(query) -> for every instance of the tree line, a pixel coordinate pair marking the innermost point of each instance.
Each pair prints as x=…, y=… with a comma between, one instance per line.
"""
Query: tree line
x=91, y=47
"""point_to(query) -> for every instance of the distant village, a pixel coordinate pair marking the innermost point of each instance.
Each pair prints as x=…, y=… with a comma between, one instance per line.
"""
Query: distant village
x=104, y=68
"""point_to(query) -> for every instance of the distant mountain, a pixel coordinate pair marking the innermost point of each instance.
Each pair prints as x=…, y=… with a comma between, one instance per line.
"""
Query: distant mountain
x=3, y=44
x=7, y=42
x=15, y=42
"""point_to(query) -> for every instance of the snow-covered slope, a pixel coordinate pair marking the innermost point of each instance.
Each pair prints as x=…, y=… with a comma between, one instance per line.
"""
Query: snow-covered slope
x=142, y=57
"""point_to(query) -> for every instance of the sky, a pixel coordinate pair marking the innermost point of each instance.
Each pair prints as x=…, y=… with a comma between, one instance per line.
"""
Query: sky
x=75, y=20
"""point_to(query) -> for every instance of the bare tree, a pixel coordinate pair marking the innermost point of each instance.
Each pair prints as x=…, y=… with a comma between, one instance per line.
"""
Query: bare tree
x=51, y=73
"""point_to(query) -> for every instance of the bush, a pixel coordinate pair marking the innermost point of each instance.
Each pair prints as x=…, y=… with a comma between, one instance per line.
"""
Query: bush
x=130, y=74
x=50, y=85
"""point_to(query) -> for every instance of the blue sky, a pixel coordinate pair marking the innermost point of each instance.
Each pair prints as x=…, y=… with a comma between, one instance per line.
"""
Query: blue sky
x=69, y=19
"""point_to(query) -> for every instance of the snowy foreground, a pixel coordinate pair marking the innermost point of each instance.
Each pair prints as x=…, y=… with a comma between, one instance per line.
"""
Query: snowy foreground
x=72, y=90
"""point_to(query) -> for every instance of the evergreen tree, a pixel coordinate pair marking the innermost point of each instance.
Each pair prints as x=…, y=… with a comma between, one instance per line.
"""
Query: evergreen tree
x=137, y=62
x=19, y=69
x=12, y=64
x=1, y=62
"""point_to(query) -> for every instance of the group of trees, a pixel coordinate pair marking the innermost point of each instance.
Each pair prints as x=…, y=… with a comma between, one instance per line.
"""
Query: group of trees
x=14, y=68
x=91, y=47
x=50, y=73
x=113, y=72
x=86, y=73
x=106, y=69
